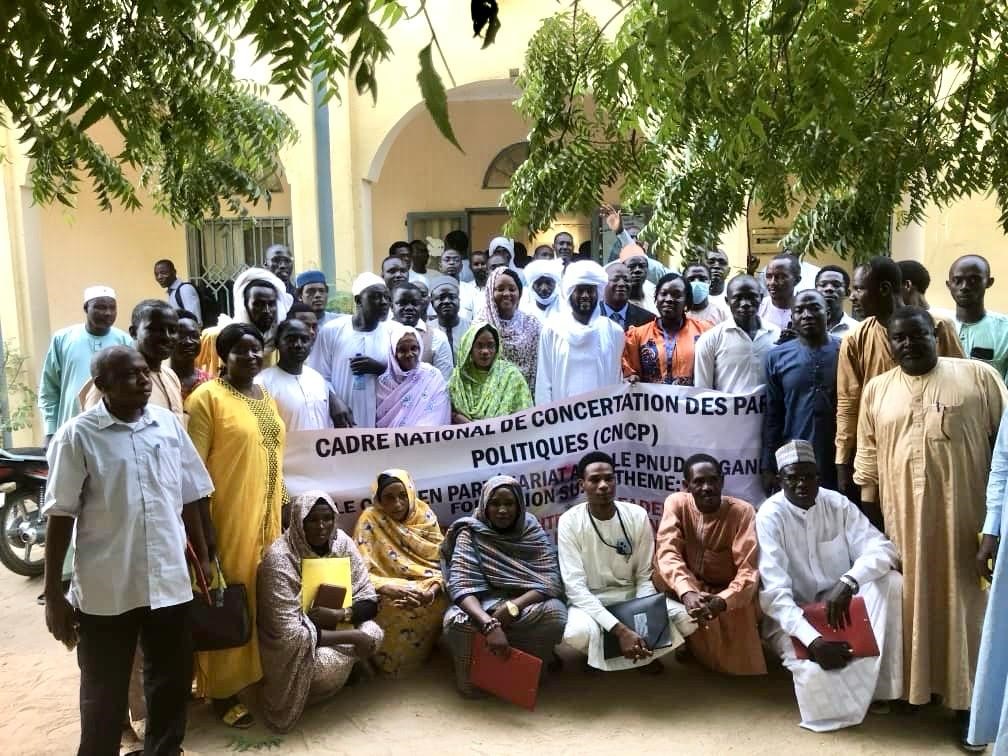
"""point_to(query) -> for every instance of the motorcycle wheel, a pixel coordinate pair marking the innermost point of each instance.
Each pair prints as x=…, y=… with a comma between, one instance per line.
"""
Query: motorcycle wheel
x=22, y=509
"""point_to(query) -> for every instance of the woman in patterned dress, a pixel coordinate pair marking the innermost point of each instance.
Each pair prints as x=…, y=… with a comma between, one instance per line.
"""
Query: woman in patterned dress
x=237, y=430
x=398, y=537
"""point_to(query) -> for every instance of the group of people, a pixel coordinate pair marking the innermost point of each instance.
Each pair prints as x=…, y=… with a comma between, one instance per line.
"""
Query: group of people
x=878, y=455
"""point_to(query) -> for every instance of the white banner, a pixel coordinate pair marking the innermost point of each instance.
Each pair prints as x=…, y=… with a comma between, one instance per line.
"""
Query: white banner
x=649, y=429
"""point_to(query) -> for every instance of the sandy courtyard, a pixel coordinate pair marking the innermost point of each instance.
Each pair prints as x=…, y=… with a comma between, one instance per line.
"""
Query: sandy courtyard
x=684, y=711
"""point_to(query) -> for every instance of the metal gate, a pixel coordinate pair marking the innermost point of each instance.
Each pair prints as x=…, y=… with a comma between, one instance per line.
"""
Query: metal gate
x=221, y=248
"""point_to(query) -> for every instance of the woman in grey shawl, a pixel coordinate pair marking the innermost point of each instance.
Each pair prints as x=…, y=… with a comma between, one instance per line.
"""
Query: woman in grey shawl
x=502, y=574
x=307, y=656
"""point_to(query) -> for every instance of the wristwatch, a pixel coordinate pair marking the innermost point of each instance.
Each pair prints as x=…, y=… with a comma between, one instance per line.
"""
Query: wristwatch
x=850, y=583
x=347, y=614
x=512, y=608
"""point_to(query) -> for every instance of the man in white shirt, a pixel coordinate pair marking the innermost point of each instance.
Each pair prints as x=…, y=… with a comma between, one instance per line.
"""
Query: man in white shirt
x=782, y=274
x=353, y=349
x=704, y=307
x=303, y=397
x=130, y=479
x=579, y=350
x=815, y=545
x=833, y=282
x=181, y=295
x=444, y=297
x=606, y=550
x=435, y=350
x=730, y=357
x=469, y=300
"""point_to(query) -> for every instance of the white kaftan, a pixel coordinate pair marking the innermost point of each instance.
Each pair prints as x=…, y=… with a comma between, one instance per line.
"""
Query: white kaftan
x=595, y=575
x=803, y=553
x=575, y=359
x=337, y=343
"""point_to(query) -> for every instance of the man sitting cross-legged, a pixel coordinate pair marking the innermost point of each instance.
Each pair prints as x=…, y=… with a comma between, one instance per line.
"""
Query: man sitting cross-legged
x=606, y=548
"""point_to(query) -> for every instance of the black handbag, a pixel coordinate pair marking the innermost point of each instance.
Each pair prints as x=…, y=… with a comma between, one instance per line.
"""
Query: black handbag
x=647, y=616
x=220, y=617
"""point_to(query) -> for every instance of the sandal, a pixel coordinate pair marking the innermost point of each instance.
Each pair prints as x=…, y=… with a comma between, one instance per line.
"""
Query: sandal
x=236, y=715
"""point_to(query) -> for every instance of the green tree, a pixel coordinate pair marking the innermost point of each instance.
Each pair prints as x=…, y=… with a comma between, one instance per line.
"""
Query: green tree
x=161, y=71
x=839, y=108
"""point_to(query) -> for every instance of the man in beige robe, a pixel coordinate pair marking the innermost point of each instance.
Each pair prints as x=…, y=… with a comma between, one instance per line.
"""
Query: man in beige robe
x=925, y=436
x=865, y=353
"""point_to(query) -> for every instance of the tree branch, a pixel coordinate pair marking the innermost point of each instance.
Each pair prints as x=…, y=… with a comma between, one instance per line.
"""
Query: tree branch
x=437, y=43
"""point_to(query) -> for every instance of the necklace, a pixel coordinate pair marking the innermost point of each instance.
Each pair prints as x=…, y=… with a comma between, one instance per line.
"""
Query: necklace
x=624, y=548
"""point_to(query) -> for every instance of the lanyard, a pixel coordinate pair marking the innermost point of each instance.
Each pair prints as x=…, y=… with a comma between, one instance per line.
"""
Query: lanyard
x=620, y=548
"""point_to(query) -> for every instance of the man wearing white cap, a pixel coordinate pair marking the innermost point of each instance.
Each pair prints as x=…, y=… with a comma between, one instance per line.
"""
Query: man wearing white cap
x=352, y=349
x=67, y=365
x=579, y=350
x=816, y=546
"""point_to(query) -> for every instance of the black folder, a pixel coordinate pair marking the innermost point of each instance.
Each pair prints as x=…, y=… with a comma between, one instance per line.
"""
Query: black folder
x=647, y=616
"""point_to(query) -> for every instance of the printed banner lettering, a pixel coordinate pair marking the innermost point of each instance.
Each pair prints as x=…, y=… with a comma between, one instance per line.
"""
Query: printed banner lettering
x=649, y=429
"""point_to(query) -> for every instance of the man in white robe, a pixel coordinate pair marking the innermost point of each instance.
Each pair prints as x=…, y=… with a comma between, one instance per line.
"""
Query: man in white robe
x=579, y=350
x=816, y=546
x=606, y=551
x=353, y=349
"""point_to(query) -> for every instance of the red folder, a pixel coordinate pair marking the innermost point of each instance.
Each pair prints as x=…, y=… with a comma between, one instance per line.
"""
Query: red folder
x=858, y=634
x=515, y=679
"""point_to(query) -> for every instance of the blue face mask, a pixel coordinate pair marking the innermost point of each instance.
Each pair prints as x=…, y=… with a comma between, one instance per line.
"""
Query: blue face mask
x=701, y=289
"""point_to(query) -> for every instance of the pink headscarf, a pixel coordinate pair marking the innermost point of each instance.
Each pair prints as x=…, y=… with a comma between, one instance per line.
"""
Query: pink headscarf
x=411, y=397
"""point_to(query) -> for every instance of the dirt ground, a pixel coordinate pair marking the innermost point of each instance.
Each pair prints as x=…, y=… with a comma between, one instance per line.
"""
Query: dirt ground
x=684, y=711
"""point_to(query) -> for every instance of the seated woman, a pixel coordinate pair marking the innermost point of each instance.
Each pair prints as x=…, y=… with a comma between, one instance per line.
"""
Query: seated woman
x=307, y=656
x=485, y=384
x=398, y=537
x=410, y=392
x=502, y=575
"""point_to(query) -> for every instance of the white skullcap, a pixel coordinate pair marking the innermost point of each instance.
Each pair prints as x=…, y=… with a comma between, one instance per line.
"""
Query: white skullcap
x=540, y=268
x=794, y=452
x=93, y=292
x=501, y=241
x=365, y=281
x=584, y=273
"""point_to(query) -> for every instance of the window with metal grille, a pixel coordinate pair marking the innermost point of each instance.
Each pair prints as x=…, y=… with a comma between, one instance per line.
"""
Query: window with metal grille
x=221, y=248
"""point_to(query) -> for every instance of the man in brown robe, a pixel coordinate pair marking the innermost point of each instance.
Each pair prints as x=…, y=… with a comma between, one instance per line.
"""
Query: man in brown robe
x=865, y=353
x=925, y=436
x=706, y=555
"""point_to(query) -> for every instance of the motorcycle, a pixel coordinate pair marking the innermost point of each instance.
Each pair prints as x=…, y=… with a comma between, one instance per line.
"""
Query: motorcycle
x=23, y=476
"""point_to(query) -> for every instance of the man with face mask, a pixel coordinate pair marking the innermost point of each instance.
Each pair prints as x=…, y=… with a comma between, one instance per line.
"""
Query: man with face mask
x=704, y=307
x=579, y=351
x=923, y=454
x=541, y=299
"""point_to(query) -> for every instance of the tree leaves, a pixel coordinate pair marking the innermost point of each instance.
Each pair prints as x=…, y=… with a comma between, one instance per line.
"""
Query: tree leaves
x=434, y=95
x=162, y=74
x=839, y=110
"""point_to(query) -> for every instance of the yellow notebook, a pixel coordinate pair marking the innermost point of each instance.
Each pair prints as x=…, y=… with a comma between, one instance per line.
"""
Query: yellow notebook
x=331, y=570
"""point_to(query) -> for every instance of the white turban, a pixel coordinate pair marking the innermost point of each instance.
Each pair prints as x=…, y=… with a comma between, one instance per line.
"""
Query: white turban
x=284, y=300
x=584, y=273
x=93, y=292
x=535, y=270
x=365, y=281
x=501, y=241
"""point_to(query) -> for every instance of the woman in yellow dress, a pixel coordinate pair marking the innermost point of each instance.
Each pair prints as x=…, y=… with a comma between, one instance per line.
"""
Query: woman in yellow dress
x=237, y=430
x=399, y=538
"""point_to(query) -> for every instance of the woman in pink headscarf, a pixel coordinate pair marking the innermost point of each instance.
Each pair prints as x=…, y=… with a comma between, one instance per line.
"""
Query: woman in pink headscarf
x=410, y=392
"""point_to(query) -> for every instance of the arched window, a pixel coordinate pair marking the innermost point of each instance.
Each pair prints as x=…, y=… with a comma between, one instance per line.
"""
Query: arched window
x=502, y=167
